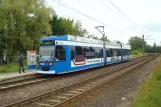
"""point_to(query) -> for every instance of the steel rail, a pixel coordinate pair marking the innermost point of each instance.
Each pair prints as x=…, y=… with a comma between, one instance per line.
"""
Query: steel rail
x=92, y=88
x=20, y=103
x=18, y=84
x=108, y=79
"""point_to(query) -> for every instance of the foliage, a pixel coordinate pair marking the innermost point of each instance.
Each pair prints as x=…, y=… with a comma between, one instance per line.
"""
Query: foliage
x=22, y=24
x=152, y=49
x=149, y=94
x=95, y=37
x=136, y=43
x=105, y=39
x=137, y=52
x=134, y=52
x=62, y=26
x=149, y=49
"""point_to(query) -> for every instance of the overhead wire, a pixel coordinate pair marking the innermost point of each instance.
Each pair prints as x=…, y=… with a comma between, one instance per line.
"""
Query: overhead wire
x=125, y=15
x=119, y=15
x=65, y=5
x=112, y=10
x=78, y=19
x=97, y=11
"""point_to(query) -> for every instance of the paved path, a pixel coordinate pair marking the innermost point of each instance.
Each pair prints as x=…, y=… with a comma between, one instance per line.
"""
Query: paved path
x=16, y=74
x=13, y=73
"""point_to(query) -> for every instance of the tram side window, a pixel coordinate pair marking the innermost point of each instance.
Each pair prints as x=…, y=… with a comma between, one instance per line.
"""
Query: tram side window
x=72, y=52
x=102, y=54
x=128, y=52
x=118, y=52
x=79, y=54
x=114, y=52
x=60, y=53
x=92, y=51
x=79, y=50
x=97, y=53
x=86, y=52
x=124, y=52
x=109, y=52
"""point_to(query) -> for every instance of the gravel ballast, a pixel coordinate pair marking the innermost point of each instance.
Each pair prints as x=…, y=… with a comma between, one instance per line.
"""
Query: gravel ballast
x=18, y=94
x=118, y=93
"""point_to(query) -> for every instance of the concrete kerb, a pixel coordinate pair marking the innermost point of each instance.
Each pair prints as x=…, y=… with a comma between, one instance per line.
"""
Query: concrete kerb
x=17, y=75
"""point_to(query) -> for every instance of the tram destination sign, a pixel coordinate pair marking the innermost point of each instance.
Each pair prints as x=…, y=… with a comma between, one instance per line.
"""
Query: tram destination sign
x=48, y=42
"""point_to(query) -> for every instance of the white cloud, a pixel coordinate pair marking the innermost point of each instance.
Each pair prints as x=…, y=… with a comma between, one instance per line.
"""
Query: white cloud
x=145, y=13
x=153, y=26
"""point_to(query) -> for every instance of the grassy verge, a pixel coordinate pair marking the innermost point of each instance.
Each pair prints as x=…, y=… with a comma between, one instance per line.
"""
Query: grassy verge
x=11, y=67
x=150, y=92
x=136, y=53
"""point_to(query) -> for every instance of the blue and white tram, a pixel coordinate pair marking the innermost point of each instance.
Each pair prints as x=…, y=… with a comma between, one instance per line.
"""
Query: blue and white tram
x=64, y=54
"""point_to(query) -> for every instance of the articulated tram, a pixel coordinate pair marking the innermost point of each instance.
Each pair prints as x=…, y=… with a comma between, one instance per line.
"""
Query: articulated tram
x=67, y=53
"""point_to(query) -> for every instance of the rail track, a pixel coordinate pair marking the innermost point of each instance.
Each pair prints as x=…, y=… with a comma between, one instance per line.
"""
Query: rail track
x=21, y=83
x=67, y=94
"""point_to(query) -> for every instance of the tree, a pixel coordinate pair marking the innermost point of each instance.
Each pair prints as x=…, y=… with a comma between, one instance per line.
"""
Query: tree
x=149, y=49
x=105, y=39
x=63, y=26
x=78, y=29
x=136, y=43
x=23, y=23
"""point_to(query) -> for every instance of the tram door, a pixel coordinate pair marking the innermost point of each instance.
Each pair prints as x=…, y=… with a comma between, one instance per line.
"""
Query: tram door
x=60, y=59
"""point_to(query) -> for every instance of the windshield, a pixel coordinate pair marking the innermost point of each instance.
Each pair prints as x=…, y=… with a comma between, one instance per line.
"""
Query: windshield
x=46, y=53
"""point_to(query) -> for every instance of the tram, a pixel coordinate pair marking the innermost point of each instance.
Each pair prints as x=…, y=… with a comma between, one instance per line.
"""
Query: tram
x=67, y=53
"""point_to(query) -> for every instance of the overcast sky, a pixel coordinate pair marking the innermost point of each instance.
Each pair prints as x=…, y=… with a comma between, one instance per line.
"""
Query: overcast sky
x=146, y=14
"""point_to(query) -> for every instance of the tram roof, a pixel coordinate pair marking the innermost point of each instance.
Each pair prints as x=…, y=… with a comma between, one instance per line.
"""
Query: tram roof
x=71, y=38
x=79, y=39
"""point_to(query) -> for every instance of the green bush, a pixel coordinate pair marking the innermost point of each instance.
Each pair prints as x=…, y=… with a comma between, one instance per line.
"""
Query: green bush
x=11, y=67
x=134, y=52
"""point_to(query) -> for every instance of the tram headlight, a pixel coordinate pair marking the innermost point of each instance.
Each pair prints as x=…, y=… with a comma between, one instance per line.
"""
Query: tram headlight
x=41, y=64
x=51, y=63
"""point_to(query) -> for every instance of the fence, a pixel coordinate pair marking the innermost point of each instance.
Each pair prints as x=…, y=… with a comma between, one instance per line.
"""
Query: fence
x=9, y=64
x=10, y=59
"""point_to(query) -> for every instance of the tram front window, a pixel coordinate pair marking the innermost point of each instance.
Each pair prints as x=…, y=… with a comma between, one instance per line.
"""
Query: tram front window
x=46, y=53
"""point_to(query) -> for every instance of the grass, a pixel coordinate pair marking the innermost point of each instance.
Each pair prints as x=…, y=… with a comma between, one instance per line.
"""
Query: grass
x=136, y=53
x=150, y=92
x=11, y=67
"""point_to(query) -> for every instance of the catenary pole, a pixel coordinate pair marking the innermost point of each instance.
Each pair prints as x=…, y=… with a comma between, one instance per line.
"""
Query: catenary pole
x=143, y=45
x=103, y=38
